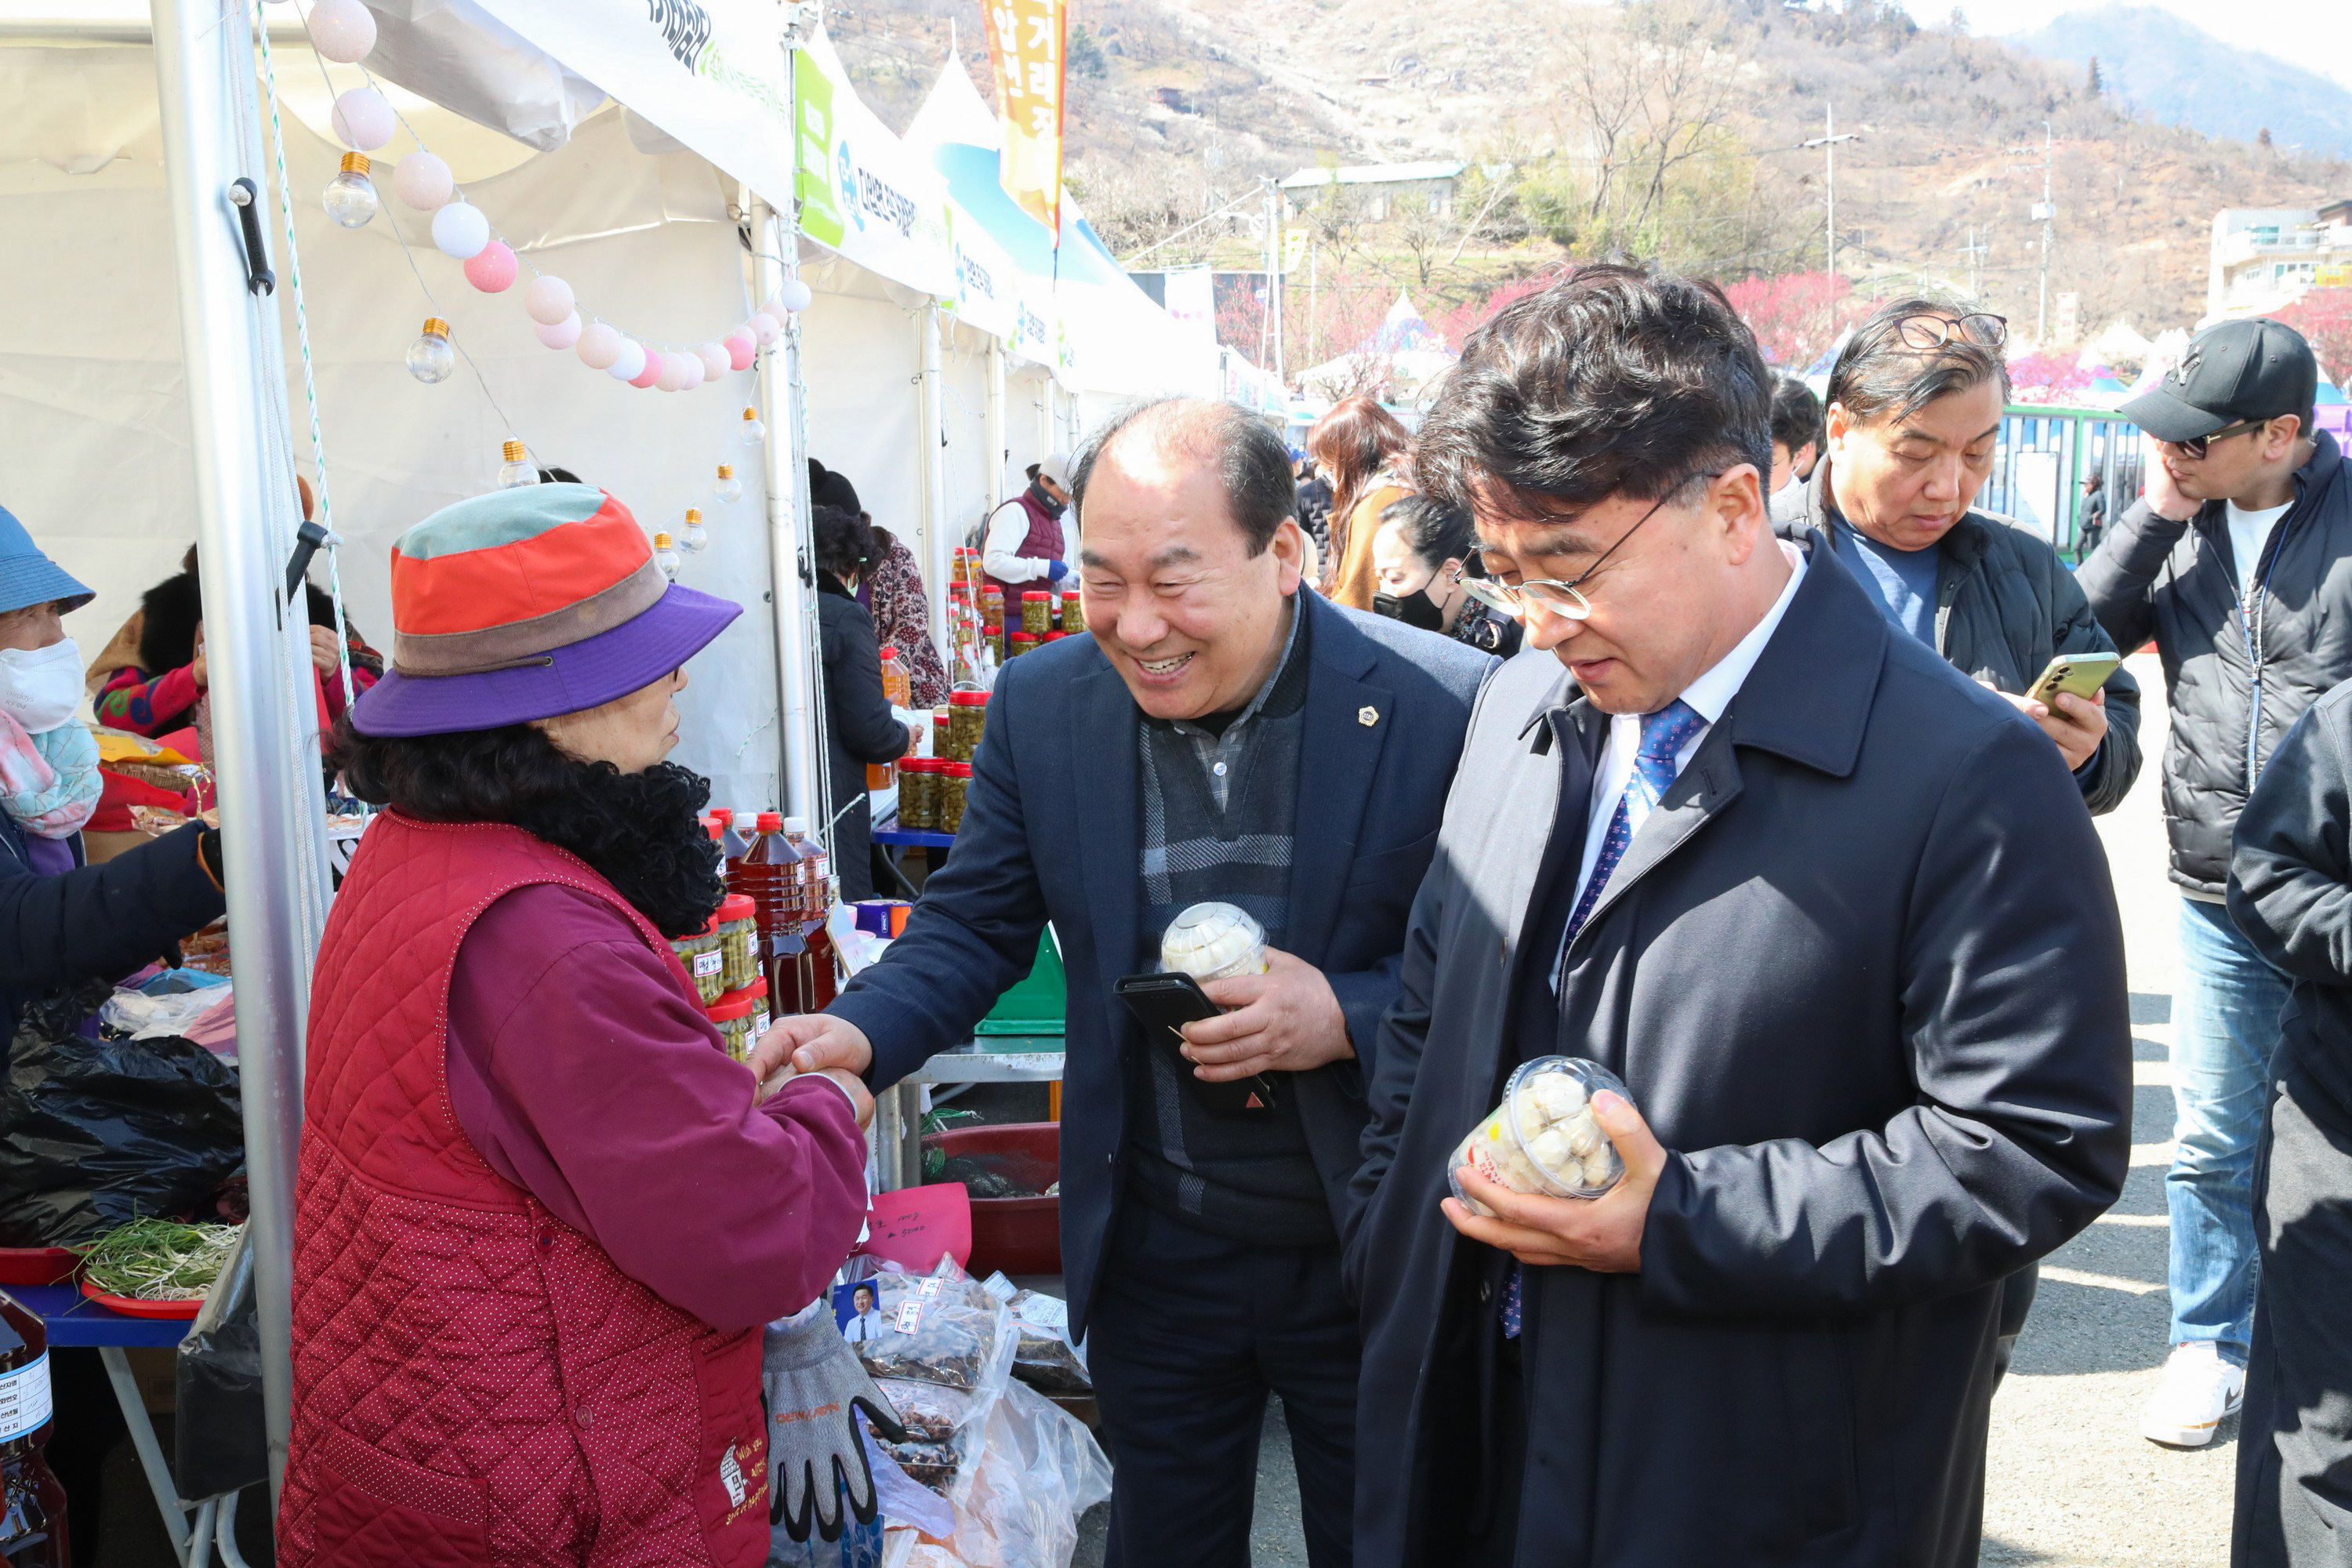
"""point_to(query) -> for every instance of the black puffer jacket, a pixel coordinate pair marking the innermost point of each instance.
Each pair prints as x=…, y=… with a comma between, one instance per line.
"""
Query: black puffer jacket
x=2005, y=606
x=858, y=728
x=2237, y=680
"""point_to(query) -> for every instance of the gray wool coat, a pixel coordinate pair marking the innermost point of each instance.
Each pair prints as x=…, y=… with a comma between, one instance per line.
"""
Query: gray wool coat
x=1862, y=970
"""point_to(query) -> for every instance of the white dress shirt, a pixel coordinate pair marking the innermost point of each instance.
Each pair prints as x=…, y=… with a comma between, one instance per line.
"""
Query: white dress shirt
x=1709, y=695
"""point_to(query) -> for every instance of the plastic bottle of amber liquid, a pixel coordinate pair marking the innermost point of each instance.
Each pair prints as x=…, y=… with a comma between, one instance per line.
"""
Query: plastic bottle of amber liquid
x=898, y=688
x=32, y=1504
x=769, y=873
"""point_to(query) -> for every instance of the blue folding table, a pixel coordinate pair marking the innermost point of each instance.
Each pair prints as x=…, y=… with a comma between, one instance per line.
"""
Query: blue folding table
x=76, y=1322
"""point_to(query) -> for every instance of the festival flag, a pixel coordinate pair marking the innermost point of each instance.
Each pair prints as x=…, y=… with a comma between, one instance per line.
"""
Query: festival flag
x=1026, y=39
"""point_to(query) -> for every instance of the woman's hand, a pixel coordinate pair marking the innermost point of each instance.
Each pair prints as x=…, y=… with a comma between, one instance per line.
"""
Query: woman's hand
x=196, y=669
x=325, y=652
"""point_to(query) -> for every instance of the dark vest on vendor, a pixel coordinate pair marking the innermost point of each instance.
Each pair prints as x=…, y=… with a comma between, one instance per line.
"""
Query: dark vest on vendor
x=1043, y=542
x=475, y=1381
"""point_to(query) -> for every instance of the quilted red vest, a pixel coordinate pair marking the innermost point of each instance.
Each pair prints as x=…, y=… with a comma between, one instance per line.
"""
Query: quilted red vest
x=475, y=1382
x=1045, y=543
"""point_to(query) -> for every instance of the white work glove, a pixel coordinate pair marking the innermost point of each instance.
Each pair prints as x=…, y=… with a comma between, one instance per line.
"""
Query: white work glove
x=814, y=1387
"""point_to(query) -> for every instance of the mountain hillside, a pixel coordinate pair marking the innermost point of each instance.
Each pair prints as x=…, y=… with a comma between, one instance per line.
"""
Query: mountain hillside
x=2180, y=75
x=1665, y=129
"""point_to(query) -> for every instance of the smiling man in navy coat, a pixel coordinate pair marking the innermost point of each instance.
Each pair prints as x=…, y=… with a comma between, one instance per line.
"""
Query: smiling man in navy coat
x=1221, y=735
x=1837, y=917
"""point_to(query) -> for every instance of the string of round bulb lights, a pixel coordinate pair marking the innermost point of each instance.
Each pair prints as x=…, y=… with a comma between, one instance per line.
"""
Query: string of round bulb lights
x=364, y=121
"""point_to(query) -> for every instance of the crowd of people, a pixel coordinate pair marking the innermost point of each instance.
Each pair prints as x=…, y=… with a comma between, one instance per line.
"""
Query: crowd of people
x=1638, y=706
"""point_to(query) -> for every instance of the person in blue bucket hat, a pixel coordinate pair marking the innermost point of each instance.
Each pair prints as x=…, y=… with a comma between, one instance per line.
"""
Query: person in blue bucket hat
x=63, y=920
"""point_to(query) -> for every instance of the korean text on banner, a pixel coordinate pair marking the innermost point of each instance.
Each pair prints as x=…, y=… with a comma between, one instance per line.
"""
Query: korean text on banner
x=711, y=73
x=1025, y=40
x=862, y=193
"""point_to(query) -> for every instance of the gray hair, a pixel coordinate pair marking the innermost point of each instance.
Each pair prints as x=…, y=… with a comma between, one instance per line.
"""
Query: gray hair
x=1261, y=491
x=1879, y=375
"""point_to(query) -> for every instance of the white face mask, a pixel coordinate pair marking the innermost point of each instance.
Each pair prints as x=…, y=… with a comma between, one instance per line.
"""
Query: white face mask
x=41, y=688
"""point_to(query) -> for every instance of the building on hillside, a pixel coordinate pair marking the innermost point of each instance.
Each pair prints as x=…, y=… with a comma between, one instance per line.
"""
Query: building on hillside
x=1378, y=186
x=2265, y=258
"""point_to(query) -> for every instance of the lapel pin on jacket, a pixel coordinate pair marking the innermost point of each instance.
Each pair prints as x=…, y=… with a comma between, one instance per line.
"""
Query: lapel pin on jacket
x=1368, y=715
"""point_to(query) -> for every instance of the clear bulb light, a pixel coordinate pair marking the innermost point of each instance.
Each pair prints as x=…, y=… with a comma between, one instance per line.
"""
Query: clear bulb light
x=518, y=469
x=754, y=433
x=730, y=489
x=664, y=557
x=693, y=538
x=350, y=199
x=431, y=360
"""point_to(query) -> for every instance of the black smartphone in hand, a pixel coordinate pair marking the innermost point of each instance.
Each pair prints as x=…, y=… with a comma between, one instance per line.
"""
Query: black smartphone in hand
x=1163, y=1004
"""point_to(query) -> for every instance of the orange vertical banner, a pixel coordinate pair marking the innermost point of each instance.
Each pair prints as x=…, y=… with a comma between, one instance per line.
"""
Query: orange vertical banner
x=1025, y=46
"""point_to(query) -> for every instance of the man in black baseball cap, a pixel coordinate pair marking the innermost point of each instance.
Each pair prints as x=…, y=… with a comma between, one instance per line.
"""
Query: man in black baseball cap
x=2237, y=559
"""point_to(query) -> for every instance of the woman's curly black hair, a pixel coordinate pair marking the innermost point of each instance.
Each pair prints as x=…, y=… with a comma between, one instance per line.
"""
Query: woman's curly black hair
x=641, y=832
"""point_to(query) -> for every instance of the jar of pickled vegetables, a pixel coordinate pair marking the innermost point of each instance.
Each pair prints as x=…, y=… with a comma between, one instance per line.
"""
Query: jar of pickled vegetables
x=1036, y=611
x=739, y=936
x=939, y=732
x=741, y=1017
x=1074, y=614
x=958, y=783
x=992, y=610
x=1022, y=643
x=914, y=795
x=704, y=963
x=967, y=722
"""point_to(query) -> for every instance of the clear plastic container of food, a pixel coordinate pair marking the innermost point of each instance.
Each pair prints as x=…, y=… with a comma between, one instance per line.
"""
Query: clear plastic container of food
x=1543, y=1139
x=704, y=962
x=954, y=787
x=1037, y=612
x=1214, y=942
x=967, y=724
x=1074, y=614
x=739, y=937
x=741, y=1017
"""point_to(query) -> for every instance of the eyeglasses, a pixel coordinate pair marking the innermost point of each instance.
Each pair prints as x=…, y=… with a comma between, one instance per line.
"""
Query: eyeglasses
x=2195, y=447
x=1925, y=331
x=1564, y=599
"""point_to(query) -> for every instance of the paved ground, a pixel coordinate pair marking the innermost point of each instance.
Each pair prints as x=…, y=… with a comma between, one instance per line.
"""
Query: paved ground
x=2071, y=1482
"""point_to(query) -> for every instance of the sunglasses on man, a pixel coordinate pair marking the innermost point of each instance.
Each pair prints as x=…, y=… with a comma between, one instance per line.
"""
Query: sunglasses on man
x=2196, y=447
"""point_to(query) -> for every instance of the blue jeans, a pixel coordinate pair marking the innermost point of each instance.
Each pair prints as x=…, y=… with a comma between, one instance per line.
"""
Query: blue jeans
x=2225, y=1027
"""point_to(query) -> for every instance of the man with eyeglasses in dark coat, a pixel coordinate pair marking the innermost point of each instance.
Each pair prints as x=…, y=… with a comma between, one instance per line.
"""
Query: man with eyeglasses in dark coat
x=1831, y=911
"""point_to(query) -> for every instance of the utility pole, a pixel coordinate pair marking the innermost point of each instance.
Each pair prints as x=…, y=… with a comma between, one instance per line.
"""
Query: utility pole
x=1274, y=270
x=2045, y=210
x=1827, y=141
x=1975, y=250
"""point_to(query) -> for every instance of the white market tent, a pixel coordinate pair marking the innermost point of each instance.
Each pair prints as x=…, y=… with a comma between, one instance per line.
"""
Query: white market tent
x=135, y=424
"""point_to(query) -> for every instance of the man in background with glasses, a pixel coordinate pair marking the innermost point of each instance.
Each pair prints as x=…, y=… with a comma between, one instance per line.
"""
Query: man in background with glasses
x=1835, y=916
x=2237, y=561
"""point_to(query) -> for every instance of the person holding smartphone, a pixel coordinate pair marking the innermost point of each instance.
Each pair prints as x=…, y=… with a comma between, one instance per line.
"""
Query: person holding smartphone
x=1915, y=405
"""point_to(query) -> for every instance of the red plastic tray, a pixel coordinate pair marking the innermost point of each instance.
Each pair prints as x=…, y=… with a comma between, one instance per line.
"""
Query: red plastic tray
x=37, y=1265
x=130, y=1307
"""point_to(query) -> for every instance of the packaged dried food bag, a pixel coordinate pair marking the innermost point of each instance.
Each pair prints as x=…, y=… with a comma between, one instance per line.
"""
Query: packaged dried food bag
x=1543, y=1139
x=943, y=1328
x=1047, y=1359
x=1039, y=1472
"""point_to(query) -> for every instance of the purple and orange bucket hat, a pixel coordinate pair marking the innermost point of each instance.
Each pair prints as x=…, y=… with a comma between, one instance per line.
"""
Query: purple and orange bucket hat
x=529, y=603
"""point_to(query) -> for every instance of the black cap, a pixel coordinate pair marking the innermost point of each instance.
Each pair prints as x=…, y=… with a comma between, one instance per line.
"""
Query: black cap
x=2233, y=372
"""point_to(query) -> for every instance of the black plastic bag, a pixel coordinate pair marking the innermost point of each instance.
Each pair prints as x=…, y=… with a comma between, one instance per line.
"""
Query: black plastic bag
x=218, y=1432
x=94, y=1133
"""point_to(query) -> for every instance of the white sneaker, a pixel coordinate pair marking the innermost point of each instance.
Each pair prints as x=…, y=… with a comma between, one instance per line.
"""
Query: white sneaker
x=2200, y=1389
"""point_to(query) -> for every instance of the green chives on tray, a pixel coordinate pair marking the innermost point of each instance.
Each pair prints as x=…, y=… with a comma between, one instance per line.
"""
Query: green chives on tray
x=159, y=1259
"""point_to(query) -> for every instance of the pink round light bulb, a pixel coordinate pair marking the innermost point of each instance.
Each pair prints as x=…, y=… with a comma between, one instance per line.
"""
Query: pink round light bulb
x=363, y=119
x=492, y=269
x=548, y=300
x=715, y=361
x=741, y=352
x=600, y=347
x=423, y=182
x=559, y=334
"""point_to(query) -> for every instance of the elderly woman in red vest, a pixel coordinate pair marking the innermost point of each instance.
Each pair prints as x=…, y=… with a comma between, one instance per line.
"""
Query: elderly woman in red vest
x=540, y=1219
